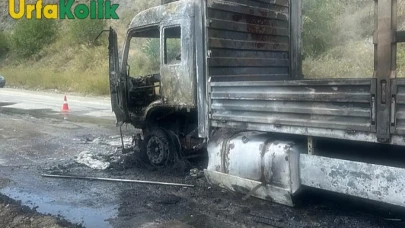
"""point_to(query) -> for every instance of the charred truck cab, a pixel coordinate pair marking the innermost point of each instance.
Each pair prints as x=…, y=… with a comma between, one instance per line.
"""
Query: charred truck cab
x=232, y=84
x=163, y=104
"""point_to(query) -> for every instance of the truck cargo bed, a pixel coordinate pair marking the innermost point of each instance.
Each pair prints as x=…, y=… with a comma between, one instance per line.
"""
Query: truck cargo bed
x=254, y=79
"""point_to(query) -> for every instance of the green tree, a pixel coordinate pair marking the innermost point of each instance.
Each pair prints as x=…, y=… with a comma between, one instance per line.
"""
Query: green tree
x=30, y=36
x=152, y=50
x=319, y=25
x=4, y=43
x=85, y=31
x=323, y=27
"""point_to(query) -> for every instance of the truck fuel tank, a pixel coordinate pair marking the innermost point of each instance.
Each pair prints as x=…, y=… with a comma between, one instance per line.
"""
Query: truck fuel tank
x=255, y=163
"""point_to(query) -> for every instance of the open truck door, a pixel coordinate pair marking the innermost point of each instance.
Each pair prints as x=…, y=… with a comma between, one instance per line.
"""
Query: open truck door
x=117, y=81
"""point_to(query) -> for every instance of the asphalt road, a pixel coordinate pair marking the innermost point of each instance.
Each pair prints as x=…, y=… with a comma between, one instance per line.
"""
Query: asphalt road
x=36, y=139
x=52, y=102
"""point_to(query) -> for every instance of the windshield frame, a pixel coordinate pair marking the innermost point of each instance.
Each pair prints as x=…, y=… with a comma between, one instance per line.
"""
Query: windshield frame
x=129, y=36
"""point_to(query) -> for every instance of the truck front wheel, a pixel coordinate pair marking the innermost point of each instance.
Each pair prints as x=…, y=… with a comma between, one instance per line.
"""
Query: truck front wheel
x=159, y=147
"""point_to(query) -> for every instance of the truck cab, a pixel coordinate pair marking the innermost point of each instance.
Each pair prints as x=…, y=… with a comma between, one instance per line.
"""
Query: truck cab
x=163, y=102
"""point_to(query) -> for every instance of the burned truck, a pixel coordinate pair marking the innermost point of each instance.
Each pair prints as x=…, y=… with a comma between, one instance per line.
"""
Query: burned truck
x=235, y=87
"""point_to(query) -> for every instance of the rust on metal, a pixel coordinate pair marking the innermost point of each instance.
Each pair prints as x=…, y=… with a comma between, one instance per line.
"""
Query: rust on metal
x=248, y=40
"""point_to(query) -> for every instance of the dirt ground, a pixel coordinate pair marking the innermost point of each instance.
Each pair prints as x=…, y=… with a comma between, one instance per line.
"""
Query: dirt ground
x=36, y=142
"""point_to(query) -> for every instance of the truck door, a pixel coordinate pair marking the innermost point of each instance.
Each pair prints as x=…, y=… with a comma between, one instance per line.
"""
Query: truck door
x=177, y=77
x=117, y=81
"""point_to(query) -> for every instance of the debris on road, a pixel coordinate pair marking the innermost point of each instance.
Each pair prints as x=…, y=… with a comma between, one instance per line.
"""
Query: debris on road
x=111, y=141
x=91, y=160
x=119, y=180
x=196, y=173
x=109, y=156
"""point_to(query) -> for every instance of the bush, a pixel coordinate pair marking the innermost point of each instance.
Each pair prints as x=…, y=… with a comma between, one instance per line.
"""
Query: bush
x=319, y=27
x=4, y=43
x=352, y=60
x=30, y=36
x=85, y=31
x=330, y=23
x=152, y=50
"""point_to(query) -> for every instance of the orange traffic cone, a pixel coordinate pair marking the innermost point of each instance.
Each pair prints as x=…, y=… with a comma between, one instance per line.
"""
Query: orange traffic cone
x=65, y=107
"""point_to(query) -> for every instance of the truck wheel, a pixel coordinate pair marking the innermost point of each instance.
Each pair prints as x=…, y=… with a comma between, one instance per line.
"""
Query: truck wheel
x=159, y=147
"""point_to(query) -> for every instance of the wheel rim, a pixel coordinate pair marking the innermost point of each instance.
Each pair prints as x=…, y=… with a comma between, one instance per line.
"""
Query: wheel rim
x=157, y=150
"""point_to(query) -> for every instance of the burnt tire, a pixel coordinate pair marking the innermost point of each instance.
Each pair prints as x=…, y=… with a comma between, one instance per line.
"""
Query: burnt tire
x=158, y=147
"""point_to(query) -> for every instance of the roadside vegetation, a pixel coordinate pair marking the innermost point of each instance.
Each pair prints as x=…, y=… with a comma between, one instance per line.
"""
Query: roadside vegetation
x=64, y=55
x=338, y=39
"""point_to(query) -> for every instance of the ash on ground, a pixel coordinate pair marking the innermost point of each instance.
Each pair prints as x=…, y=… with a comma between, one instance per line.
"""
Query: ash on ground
x=107, y=152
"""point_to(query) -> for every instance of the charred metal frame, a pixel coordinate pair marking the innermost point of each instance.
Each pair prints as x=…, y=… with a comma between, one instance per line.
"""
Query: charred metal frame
x=390, y=93
x=385, y=68
x=368, y=181
x=201, y=69
x=295, y=39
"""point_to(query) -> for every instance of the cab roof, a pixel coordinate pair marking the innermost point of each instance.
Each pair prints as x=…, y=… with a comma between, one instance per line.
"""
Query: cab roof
x=168, y=12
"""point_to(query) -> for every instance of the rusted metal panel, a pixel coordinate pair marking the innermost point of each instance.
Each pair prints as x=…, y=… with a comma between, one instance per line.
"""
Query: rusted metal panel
x=368, y=181
x=295, y=39
x=246, y=71
x=178, y=82
x=307, y=131
x=244, y=186
x=345, y=105
x=248, y=39
x=156, y=15
x=398, y=107
x=385, y=66
x=263, y=3
x=201, y=79
x=258, y=29
x=272, y=12
x=234, y=35
x=117, y=81
x=246, y=45
x=246, y=62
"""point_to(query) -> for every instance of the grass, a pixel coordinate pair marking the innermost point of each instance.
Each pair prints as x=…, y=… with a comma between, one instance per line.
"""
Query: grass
x=352, y=60
x=68, y=66
x=64, y=65
x=80, y=69
x=92, y=83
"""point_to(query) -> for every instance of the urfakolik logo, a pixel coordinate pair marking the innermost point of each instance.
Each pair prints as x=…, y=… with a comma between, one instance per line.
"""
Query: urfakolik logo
x=66, y=9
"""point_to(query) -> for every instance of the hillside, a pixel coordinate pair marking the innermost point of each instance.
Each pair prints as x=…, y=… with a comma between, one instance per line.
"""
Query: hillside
x=69, y=59
x=342, y=33
x=337, y=44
